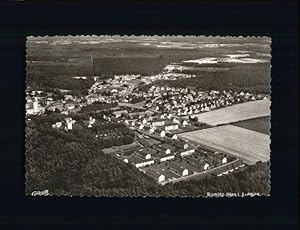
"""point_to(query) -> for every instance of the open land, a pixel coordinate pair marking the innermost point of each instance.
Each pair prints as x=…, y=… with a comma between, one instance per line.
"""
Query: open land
x=245, y=144
x=235, y=113
x=261, y=124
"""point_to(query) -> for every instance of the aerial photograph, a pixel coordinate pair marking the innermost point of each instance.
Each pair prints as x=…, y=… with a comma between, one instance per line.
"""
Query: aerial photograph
x=148, y=116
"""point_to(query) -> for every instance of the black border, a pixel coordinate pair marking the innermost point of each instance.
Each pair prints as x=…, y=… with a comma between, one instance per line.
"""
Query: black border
x=277, y=19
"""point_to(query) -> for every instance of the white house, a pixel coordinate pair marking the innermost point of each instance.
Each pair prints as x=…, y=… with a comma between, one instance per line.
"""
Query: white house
x=139, y=162
x=206, y=166
x=70, y=106
x=187, y=152
x=185, y=172
x=36, y=107
x=163, y=116
x=158, y=123
x=171, y=127
x=141, y=127
x=151, y=130
x=161, y=178
x=184, y=123
x=162, y=133
x=144, y=153
x=165, y=149
x=224, y=160
x=174, y=137
x=178, y=169
x=69, y=123
x=57, y=125
x=119, y=113
x=144, y=163
x=185, y=146
x=148, y=156
x=168, y=151
x=175, y=120
x=92, y=120
x=166, y=158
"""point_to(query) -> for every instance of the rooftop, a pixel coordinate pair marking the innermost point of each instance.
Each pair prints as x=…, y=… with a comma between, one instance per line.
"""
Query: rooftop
x=166, y=146
x=145, y=151
x=137, y=159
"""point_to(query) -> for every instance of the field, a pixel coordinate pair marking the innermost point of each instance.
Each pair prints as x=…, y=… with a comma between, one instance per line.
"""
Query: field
x=235, y=113
x=245, y=144
x=262, y=124
x=52, y=59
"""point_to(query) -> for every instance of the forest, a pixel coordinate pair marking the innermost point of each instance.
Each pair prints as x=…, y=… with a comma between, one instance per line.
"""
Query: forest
x=248, y=77
x=98, y=106
x=72, y=163
x=51, y=83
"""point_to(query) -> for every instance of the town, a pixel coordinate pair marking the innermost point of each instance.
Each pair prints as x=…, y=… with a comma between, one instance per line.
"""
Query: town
x=153, y=123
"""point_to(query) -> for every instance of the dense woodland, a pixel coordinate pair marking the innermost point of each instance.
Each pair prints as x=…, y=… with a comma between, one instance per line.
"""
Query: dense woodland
x=75, y=87
x=71, y=163
x=248, y=77
x=98, y=106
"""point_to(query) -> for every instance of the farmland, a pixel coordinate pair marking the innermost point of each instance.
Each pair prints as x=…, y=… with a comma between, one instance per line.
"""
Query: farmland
x=246, y=144
x=262, y=124
x=235, y=113
x=132, y=116
x=58, y=59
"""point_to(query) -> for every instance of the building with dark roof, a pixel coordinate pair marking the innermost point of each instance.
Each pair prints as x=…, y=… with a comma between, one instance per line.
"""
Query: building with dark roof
x=178, y=169
x=145, y=153
x=166, y=148
x=156, y=175
x=139, y=162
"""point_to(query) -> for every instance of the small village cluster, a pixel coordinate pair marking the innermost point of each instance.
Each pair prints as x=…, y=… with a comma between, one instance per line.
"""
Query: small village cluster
x=162, y=113
x=185, y=101
x=38, y=102
x=161, y=154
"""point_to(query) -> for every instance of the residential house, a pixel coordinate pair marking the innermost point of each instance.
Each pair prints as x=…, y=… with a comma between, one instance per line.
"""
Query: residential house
x=140, y=162
x=206, y=166
x=166, y=148
x=174, y=137
x=187, y=152
x=224, y=160
x=119, y=113
x=158, y=123
x=57, y=125
x=178, y=169
x=164, y=157
x=156, y=175
x=146, y=153
x=69, y=123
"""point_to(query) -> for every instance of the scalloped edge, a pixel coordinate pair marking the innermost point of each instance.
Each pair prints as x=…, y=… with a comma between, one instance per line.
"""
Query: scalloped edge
x=149, y=36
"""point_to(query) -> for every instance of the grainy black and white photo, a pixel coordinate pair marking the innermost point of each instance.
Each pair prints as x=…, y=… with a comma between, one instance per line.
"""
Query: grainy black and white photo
x=148, y=116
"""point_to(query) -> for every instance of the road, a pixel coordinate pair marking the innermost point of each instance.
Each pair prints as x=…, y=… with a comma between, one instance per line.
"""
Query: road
x=199, y=175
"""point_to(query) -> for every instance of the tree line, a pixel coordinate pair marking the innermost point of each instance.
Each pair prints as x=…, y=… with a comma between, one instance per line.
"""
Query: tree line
x=72, y=163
